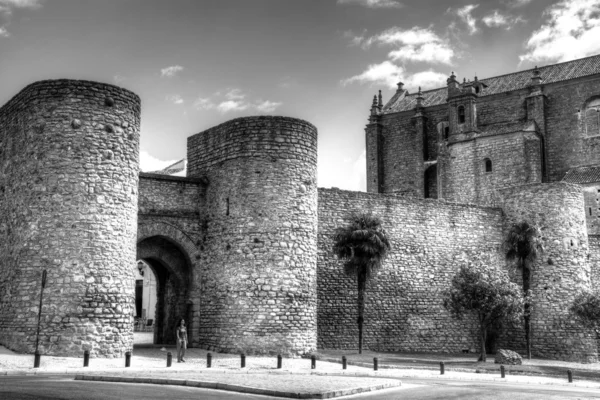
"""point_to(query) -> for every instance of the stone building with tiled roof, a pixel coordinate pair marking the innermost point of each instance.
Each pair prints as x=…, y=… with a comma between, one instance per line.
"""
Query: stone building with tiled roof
x=467, y=141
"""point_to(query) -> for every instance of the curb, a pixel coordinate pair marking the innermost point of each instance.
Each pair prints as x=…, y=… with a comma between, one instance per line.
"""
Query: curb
x=237, y=388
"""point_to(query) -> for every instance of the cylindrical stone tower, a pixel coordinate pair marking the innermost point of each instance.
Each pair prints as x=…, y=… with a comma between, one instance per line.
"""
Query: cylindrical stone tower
x=259, y=258
x=562, y=270
x=68, y=204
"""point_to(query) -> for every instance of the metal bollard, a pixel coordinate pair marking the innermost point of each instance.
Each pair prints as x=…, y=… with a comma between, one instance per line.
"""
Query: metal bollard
x=128, y=359
x=279, y=360
x=570, y=376
x=375, y=364
x=313, y=362
x=344, y=362
x=442, y=368
x=36, y=359
x=502, y=372
x=86, y=358
x=243, y=360
x=208, y=360
x=169, y=359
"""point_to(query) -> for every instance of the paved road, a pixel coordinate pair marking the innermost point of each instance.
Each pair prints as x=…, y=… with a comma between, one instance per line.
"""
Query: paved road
x=64, y=387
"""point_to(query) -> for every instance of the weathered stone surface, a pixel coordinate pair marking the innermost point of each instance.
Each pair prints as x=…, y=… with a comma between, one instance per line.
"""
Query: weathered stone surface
x=508, y=357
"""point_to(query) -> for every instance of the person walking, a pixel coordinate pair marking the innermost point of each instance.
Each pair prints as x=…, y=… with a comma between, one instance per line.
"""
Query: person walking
x=181, y=334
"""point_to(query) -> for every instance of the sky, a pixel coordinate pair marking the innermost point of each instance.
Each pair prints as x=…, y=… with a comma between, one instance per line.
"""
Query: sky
x=198, y=63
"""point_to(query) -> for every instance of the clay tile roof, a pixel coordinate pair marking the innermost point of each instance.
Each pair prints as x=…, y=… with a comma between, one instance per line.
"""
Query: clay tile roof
x=504, y=83
x=583, y=175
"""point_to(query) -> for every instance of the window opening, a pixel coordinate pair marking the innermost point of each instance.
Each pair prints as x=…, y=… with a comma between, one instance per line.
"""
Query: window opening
x=461, y=115
x=447, y=133
x=488, y=165
x=227, y=212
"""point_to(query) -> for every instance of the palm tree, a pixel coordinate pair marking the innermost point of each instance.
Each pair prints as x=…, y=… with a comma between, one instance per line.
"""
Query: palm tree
x=524, y=244
x=363, y=244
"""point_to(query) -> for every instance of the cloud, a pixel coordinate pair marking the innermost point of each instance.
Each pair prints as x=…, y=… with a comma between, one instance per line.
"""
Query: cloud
x=149, y=163
x=571, y=30
x=234, y=100
x=374, y=3
x=465, y=14
x=118, y=79
x=517, y=3
x=175, y=99
x=426, y=80
x=287, y=83
x=497, y=19
x=6, y=11
x=203, y=103
x=411, y=45
x=171, y=71
x=267, y=106
x=386, y=73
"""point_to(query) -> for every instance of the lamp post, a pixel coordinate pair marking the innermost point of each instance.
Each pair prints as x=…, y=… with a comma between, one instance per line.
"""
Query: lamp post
x=36, y=362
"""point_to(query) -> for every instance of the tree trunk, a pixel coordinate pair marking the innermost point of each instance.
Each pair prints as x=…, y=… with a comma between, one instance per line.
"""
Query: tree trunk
x=527, y=309
x=483, y=355
x=361, y=309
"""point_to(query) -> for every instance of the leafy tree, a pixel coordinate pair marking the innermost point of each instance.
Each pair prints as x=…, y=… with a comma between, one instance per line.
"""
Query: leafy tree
x=586, y=307
x=524, y=244
x=489, y=294
x=363, y=244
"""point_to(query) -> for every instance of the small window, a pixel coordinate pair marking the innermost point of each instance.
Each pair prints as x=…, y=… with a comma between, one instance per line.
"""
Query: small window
x=592, y=118
x=477, y=89
x=446, y=132
x=488, y=165
x=461, y=115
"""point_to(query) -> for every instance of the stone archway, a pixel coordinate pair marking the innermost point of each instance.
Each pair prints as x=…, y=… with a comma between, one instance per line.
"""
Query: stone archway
x=171, y=266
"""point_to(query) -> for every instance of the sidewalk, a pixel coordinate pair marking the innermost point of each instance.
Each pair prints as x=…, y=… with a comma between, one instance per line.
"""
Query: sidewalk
x=295, y=379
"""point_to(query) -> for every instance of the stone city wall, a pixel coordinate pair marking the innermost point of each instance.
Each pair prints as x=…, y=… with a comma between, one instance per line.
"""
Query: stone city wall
x=430, y=240
x=68, y=204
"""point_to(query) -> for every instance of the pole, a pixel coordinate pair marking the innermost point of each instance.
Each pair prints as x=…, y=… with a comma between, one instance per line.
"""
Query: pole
x=37, y=336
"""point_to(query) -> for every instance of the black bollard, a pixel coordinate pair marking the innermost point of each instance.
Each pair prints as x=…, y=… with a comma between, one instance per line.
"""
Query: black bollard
x=243, y=360
x=128, y=359
x=442, y=368
x=279, y=360
x=169, y=359
x=86, y=358
x=208, y=360
x=344, y=362
x=502, y=374
x=36, y=359
x=313, y=362
x=375, y=364
x=570, y=376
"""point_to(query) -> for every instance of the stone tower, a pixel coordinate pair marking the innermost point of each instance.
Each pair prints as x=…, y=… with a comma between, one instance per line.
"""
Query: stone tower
x=68, y=205
x=258, y=267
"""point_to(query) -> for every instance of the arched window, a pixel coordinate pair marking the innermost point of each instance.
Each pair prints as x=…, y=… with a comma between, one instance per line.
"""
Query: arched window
x=461, y=114
x=592, y=118
x=446, y=132
x=477, y=89
x=488, y=165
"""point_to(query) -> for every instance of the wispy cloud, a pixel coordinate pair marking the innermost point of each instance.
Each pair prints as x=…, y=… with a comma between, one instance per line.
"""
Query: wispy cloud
x=517, y=3
x=570, y=30
x=234, y=100
x=466, y=15
x=287, y=82
x=386, y=73
x=118, y=79
x=411, y=45
x=267, y=106
x=6, y=11
x=175, y=99
x=171, y=71
x=498, y=19
x=374, y=3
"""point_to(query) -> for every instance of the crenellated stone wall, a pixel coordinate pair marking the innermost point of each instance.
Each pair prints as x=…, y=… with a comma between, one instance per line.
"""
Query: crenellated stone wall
x=68, y=204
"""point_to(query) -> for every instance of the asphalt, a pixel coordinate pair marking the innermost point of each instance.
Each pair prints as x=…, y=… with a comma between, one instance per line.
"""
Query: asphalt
x=295, y=379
